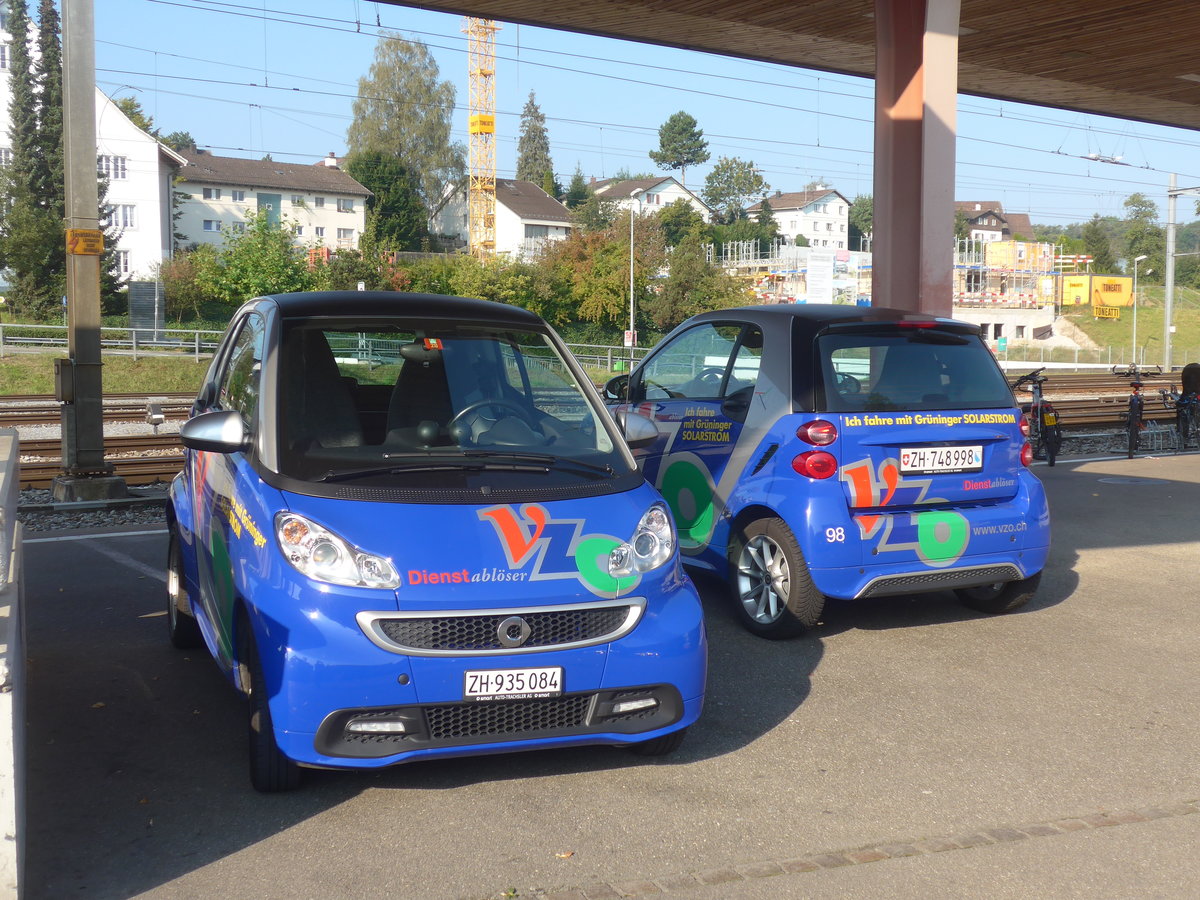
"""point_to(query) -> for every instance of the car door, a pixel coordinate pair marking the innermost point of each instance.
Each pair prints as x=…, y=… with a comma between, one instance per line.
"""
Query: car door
x=697, y=387
x=213, y=477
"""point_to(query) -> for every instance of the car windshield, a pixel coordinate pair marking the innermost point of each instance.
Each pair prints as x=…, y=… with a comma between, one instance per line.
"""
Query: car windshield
x=909, y=369
x=404, y=403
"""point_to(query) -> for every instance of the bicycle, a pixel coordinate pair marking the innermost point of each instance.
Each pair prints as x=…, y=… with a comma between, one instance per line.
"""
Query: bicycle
x=1187, y=406
x=1045, y=432
x=1135, y=422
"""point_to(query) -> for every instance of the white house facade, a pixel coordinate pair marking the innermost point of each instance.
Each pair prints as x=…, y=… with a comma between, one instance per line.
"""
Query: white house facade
x=526, y=217
x=649, y=195
x=821, y=216
x=322, y=205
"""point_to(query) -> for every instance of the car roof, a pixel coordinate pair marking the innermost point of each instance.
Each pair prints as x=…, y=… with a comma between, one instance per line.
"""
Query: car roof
x=366, y=304
x=818, y=313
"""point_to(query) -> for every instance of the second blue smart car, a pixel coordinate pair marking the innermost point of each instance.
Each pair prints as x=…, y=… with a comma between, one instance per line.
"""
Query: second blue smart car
x=407, y=528
x=813, y=451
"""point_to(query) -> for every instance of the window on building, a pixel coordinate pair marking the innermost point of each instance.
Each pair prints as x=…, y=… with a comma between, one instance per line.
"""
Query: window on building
x=319, y=202
x=238, y=196
x=123, y=262
x=123, y=216
x=829, y=226
x=237, y=227
x=298, y=230
x=5, y=156
x=3, y=56
x=212, y=193
x=297, y=200
x=345, y=234
x=212, y=224
x=112, y=167
x=345, y=204
x=319, y=231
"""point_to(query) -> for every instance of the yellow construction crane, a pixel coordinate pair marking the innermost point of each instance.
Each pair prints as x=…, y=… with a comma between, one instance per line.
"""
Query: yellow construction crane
x=481, y=198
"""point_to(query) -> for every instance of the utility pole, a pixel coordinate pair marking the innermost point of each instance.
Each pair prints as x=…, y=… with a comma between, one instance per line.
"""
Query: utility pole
x=1173, y=193
x=85, y=475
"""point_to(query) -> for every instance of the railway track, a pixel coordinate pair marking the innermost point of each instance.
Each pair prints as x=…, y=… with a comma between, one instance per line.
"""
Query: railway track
x=1086, y=402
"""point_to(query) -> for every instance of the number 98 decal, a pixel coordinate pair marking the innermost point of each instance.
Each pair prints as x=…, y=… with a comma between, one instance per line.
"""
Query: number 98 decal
x=835, y=535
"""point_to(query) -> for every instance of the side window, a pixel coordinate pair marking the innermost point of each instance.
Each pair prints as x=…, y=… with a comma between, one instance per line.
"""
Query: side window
x=747, y=362
x=241, y=380
x=693, y=366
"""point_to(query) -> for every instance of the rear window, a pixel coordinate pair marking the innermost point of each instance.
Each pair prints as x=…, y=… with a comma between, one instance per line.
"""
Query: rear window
x=909, y=369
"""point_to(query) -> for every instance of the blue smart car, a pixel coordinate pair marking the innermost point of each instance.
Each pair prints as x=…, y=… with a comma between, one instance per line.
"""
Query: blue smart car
x=407, y=528
x=813, y=451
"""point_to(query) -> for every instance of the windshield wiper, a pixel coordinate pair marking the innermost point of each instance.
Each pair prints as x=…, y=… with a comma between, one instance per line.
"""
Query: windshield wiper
x=546, y=459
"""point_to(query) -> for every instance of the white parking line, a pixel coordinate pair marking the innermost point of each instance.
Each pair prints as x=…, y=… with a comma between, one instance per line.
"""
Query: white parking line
x=91, y=537
x=115, y=555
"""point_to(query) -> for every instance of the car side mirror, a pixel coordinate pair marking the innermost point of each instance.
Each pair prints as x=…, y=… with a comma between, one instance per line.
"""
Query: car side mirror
x=220, y=431
x=616, y=389
x=637, y=429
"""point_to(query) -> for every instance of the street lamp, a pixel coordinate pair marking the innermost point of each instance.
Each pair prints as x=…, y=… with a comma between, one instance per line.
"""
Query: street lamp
x=632, y=322
x=1136, y=260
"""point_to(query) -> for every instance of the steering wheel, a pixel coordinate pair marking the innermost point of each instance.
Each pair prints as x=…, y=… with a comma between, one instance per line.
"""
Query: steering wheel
x=848, y=384
x=495, y=405
x=708, y=378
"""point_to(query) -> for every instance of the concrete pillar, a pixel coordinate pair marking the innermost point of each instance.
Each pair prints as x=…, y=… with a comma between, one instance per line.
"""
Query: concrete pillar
x=916, y=90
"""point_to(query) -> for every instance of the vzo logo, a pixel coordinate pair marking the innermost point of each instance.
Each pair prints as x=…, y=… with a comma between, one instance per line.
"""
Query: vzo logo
x=555, y=548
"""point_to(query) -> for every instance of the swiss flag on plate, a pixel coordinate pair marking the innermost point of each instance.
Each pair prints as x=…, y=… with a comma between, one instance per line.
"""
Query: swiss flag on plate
x=904, y=459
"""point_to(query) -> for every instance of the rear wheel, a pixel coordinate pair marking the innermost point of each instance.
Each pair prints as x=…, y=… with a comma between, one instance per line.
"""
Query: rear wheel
x=660, y=746
x=270, y=771
x=1001, y=597
x=181, y=624
x=773, y=592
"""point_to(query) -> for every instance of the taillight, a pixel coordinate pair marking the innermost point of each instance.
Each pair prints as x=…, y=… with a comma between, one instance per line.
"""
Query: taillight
x=815, y=464
x=1024, y=425
x=818, y=432
x=1027, y=454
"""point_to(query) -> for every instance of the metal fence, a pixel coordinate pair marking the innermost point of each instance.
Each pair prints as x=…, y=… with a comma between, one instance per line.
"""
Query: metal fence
x=137, y=342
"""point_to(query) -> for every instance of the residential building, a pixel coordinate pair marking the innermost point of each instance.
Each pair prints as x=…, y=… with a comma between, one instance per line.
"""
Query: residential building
x=648, y=195
x=139, y=171
x=321, y=204
x=822, y=216
x=526, y=217
x=987, y=221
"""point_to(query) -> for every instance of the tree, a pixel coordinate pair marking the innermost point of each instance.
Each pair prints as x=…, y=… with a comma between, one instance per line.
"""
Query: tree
x=131, y=107
x=962, y=225
x=766, y=220
x=1143, y=235
x=594, y=214
x=680, y=144
x=50, y=181
x=533, y=146
x=1098, y=245
x=861, y=215
x=730, y=185
x=577, y=190
x=404, y=110
x=179, y=141
x=400, y=220
x=692, y=286
x=261, y=260
x=677, y=220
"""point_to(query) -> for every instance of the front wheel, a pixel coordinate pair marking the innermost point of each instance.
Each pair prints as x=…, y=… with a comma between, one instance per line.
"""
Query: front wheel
x=270, y=771
x=1001, y=597
x=774, y=594
x=182, y=628
x=660, y=746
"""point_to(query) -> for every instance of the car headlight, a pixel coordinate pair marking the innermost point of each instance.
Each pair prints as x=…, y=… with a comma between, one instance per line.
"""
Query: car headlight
x=652, y=544
x=323, y=556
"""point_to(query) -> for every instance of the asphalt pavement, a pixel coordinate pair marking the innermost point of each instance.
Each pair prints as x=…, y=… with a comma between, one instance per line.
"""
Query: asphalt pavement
x=907, y=747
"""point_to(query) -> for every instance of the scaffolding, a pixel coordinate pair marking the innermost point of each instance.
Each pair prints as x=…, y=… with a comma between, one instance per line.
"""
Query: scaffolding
x=1004, y=273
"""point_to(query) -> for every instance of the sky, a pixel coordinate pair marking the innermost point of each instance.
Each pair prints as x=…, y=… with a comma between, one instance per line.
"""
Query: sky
x=251, y=77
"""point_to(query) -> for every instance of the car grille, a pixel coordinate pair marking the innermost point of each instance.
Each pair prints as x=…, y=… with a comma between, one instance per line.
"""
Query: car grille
x=939, y=580
x=479, y=632
x=516, y=717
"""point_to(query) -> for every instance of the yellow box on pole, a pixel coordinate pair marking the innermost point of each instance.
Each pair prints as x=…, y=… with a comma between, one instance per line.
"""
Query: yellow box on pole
x=481, y=124
x=85, y=241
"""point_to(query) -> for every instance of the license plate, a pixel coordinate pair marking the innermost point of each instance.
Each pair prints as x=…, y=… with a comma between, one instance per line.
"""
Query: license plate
x=512, y=684
x=1049, y=419
x=925, y=460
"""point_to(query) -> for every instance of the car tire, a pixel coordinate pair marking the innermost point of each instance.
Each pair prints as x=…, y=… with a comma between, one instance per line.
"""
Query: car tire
x=773, y=592
x=659, y=746
x=1002, y=597
x=182, y=628
x=270, y=771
